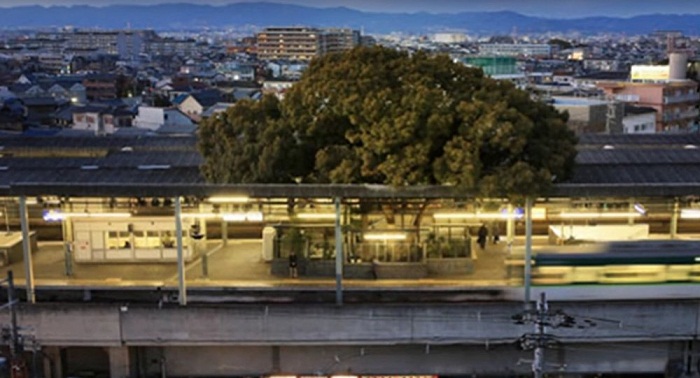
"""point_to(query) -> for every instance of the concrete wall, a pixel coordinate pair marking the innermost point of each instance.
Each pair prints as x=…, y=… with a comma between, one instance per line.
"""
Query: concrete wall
x=641, y=336
x=485, y=323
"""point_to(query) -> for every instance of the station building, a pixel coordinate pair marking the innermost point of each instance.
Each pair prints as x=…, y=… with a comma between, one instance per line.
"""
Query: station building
x=130, y=222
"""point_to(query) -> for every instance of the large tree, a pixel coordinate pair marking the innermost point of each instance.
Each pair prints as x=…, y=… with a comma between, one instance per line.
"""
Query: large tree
x=375, y=115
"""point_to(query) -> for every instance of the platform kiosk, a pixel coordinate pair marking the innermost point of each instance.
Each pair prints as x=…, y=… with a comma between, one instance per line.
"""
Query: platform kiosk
x=148, y=239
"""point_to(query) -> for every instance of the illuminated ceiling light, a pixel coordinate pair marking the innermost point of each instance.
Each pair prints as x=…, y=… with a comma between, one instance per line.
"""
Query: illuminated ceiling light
x=459, y=216
x=538, y=213
x=200, y=215
x=385, y=236
x=638, y=207
x=232, y=199
x=316, y=216
x=249, y=216
x=31, y=201
x=98, y=215
x=55, y=215
x=277, y=217
x=690, y=213
x=600, y=215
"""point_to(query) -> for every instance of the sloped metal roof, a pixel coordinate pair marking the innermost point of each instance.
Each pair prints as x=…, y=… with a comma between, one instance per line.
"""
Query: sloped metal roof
x=639, y=165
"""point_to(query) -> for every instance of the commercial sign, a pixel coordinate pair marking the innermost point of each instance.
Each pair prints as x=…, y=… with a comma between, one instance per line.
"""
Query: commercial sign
x=650, y=73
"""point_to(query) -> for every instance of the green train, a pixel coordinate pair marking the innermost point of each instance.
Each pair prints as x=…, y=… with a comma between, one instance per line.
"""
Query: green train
x=620, y=263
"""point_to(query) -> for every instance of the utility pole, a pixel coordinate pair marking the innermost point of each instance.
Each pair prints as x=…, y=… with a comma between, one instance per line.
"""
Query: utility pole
x=540, y=331
x=538, y=341
x=18, y=368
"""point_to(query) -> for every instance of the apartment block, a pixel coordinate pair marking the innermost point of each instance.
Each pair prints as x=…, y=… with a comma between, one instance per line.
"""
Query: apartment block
x=676, y=103
x=303, y=43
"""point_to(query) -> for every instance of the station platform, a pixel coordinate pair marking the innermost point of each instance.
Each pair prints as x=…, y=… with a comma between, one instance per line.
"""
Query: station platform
x=239, y=263
x=237, y=271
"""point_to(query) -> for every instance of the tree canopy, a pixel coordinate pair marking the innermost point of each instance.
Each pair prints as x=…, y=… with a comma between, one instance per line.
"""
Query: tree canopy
x=375, y=115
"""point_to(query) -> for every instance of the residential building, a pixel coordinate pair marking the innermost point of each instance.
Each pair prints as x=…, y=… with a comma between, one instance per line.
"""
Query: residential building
x=100, y=87
x=449, y=38
x=125, y=43
x=153, y=118
x=336, y=40
x=194, y=104
x=516, y=49
x=277, y=87
x=102, y=120
x=290, y=43
x=12, y=113
x=303, y=43
x=217, y=108
x=675, y=102
x=587, y=115
x=171, y=46
x=41, y=110
x=639, y=120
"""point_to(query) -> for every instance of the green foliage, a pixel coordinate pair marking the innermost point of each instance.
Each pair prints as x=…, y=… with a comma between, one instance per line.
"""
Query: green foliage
x=248, y=144
x=375, y=115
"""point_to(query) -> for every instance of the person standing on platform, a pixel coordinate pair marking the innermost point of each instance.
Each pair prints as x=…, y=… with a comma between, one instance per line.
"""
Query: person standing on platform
x=293, y=264
x=481, y=236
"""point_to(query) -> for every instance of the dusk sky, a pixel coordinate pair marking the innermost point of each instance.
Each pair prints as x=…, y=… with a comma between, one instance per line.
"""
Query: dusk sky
x=546, y=8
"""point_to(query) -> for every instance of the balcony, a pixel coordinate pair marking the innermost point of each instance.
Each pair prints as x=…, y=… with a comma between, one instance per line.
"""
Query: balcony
x=682, y=98
x=672, y=116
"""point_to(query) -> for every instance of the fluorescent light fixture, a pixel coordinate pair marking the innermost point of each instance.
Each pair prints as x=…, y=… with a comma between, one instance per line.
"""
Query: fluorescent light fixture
x=690, y=213
x=316, y=216
x=604, y=215
x=638, y=207
x=249, y=216
x=276, y=217
x=468, y=216
x=31, y=201
x=231, y=199
x=385, y=236
x=201, y=215
x=55, y=215
x=538, y=213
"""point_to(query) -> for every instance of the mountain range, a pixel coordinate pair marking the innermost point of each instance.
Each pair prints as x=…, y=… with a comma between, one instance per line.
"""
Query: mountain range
x=182, y=16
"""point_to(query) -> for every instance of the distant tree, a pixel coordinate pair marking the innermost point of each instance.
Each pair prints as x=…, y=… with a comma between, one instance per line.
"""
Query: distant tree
x=125, y=86
x=375, y=115
x=161, y=101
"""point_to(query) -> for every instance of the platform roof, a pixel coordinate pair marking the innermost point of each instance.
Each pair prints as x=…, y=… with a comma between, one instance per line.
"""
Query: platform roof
x=663, y=165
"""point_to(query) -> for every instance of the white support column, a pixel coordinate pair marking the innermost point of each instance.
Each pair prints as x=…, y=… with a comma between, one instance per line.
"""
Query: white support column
x=528, y=249
x=338, y=255
x=182, y=290
x=224, y=232
x=630, y=219
x=674, y=218
x=510, y=225
x=27, y=249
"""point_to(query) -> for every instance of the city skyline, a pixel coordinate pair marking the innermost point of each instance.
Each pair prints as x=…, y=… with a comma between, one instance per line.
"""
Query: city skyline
x=542, y=8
